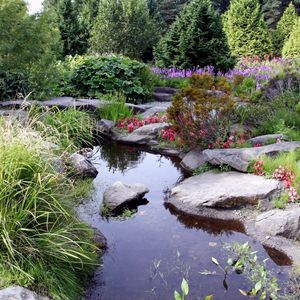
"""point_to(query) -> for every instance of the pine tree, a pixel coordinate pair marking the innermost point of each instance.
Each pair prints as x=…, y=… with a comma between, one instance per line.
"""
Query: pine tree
x=195, y=39
x=291, y=47
x=246, y=30
x=124, y=26
x=284, y=28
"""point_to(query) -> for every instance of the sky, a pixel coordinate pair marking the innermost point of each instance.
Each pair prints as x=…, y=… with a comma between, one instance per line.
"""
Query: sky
x=34, y=5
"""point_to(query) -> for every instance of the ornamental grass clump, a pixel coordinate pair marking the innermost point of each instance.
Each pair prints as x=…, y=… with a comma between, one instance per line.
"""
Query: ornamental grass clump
x=70, y=128
x=199, y=115
x=43, y=246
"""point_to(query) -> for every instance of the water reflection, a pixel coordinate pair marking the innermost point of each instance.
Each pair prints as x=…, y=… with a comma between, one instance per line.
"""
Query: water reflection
x=120, y=157
x=209, y=225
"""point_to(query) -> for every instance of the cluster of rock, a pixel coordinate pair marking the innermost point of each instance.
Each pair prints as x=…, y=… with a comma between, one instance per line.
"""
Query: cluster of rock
x=229, y=195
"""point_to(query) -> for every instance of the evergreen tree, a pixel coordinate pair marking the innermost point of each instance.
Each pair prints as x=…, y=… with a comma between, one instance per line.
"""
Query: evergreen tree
x=291, y=47
x=284, y=28
x=69, y=28
x=271, y=11
x=221, y=5
x=246, y=30
x=124, y=26
x=196, y=38
x=170, y=9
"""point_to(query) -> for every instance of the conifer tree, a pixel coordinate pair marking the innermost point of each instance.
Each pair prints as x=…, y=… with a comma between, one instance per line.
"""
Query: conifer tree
x=271, y=11
x=246, y=30
x=196, y=38
x=291, y=48
x=69, y=28
x=284, y=27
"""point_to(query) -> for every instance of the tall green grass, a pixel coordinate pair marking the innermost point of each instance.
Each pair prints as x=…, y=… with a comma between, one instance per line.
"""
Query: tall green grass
x=71, y=128
x=115, y=108
x=43, y=245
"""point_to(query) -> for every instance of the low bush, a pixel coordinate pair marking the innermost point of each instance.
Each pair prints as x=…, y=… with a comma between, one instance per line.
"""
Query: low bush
x=97, y=75
x=200, y=116
x=43, y=246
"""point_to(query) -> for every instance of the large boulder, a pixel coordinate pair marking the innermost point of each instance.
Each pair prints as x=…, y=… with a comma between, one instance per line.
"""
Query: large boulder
x=143, y=135
x=240, y=158
x=82, y=166
x=193, y=160
x=19, y=293
x=222, y=190
x=119, y=195
x=268, y=139
x=276, y=222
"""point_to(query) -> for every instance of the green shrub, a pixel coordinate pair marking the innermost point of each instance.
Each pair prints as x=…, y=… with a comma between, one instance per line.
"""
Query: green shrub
x=116, y=108
x=43, y=246
x=70, y=127
x=201, y=117
x=96, y=75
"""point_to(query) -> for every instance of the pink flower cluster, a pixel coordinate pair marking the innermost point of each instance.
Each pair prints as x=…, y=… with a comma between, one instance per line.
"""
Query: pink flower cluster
x=168, y=134
x=280, y=174
x=259, y=168
x=237, y=138
x=287, y=177
x=130, y=124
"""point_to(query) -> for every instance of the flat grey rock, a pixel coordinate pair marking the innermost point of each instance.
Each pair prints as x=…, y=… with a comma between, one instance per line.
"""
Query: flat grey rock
x=222, y=190
x=82, y=166
x=143, y=135
x=193, y=160
x=276, y=222
x=240, y=158
x=266, y=139
x=120, y=194
x=19, y=293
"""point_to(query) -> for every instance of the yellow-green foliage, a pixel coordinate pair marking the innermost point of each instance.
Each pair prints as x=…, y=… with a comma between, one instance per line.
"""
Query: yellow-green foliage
x=291, y=47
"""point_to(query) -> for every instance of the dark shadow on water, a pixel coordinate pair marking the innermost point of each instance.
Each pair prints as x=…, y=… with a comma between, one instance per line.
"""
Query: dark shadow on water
x=278, y=257
x=209, y=225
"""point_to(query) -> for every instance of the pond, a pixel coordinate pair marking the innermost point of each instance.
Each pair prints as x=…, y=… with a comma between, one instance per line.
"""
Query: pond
x=150, y=252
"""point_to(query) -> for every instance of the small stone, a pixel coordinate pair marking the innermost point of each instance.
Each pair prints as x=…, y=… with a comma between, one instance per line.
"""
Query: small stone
x=82, y=166
x=119, y=194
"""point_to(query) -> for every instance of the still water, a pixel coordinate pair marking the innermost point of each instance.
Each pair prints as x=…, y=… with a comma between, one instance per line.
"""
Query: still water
x=152, y=251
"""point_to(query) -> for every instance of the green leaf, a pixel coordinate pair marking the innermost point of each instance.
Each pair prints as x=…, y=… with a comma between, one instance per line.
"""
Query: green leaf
x=185, y=287
x=177, y=296
x=258, y=287
x=208, y=297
